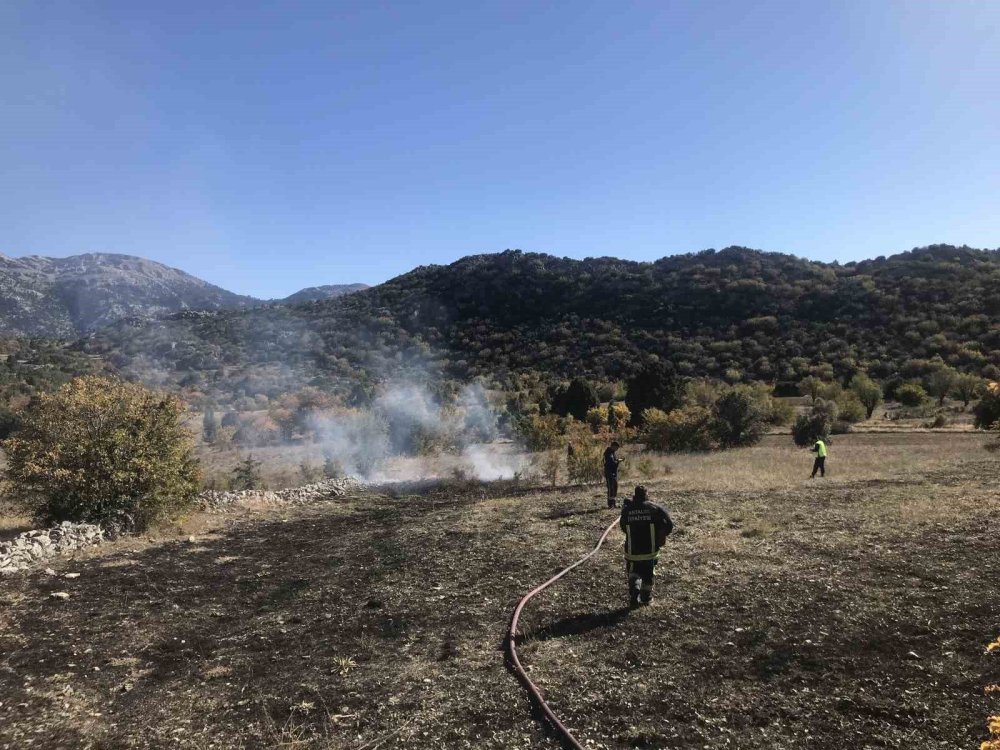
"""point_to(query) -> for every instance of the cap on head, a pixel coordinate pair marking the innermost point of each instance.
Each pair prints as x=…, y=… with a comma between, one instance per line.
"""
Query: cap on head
x=641, y=495
x=615, y=444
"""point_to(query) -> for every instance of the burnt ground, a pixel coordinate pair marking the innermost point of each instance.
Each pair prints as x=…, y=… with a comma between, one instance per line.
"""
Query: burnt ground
x=837, y=614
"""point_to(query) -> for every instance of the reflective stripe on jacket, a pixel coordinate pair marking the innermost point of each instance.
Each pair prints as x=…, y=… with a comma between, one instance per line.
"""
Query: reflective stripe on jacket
x=646, y=525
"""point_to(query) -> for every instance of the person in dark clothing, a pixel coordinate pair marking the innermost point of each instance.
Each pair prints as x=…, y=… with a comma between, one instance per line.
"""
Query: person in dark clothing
x=646, y=525
x=611, y=462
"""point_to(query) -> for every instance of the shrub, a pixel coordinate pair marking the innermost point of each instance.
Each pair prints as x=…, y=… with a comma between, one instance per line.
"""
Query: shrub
x=540, y=433
x=911, y=394
x=939, y=421
x=103, y=451
x=841, y=427
x=584, y=464
x=702, y=392
x=687, y=429
x=849, y=407
x=737, y=419
x=597, y=417
x=618, y=415
x=817, y=425
x=987, y=411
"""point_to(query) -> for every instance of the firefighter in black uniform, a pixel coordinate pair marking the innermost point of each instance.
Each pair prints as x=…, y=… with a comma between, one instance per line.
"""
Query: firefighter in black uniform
x=611, y=462
x=646, y=526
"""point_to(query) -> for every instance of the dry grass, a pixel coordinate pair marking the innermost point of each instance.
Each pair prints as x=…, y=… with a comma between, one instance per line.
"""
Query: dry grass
x=778, y=463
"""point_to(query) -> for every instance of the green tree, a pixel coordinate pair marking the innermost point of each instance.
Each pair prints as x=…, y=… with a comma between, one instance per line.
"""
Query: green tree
x=246, y=475
x=579, y=396
x=737, y=419
x=103, y=451
x=655, y=386
x=940, y=383
x=987, y=411
x=911, y=394
x=967, y=387
x=811, y=386
x=869, y=392
x=209, y=427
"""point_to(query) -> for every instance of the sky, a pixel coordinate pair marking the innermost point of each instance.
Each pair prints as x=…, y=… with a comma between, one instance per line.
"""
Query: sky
x=270, y=146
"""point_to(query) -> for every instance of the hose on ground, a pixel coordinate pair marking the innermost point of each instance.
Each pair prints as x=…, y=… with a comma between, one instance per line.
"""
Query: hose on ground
x=515, y=663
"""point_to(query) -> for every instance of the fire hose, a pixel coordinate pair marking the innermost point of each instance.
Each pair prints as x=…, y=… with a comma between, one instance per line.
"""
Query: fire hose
x=515, y=663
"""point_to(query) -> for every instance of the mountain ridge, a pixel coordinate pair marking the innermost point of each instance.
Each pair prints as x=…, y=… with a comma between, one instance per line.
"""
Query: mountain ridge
x=78, y=294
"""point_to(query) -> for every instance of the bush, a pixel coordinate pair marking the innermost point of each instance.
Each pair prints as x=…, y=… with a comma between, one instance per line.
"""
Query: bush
x=737, y=419
x=597, y=417
x=618, y=415
x=103, y=451
x=817, y=425
x=939, y=421
x=687, y=429
x=841, y=427
x=540, y=433
x=584, y=464
x=911, y=394
x=850, y=408
x=987, y=411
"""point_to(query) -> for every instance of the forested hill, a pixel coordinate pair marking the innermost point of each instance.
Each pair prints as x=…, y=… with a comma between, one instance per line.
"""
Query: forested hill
x=767, y=315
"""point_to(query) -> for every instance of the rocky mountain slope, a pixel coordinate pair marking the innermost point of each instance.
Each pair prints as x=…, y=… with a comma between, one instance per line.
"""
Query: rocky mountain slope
x=64, y=297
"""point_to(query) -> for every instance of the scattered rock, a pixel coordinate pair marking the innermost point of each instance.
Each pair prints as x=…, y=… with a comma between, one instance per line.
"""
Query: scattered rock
x=59, y=595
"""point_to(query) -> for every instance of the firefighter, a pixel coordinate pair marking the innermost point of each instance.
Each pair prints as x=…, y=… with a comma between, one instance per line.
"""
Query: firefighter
x=611, y=462
x=820, y=463
x=646, y=526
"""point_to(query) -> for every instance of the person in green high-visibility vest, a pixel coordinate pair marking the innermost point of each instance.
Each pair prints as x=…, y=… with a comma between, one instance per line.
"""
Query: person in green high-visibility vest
x=820, y=463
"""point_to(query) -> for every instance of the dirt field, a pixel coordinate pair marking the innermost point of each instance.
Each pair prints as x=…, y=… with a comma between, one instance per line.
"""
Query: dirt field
x=850, y=612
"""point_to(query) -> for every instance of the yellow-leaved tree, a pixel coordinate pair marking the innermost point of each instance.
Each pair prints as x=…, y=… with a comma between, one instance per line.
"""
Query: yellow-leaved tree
x=102, y=451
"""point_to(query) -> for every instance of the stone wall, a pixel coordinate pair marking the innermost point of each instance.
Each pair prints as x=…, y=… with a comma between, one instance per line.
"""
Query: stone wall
x=218, y=501
x=30, y=548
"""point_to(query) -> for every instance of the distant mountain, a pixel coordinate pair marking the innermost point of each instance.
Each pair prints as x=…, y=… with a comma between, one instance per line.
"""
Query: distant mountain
x=64, y=297
x=518, y=318
x=317, y=293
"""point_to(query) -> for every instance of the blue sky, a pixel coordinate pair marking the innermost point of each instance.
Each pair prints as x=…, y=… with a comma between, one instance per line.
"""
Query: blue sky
x=271, y=146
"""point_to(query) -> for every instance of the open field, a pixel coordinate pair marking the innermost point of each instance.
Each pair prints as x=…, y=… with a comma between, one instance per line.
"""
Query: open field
x=849, y=612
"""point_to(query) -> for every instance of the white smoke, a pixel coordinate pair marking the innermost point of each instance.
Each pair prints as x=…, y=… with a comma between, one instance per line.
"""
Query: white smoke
x=486, y=463
x=421, y=437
